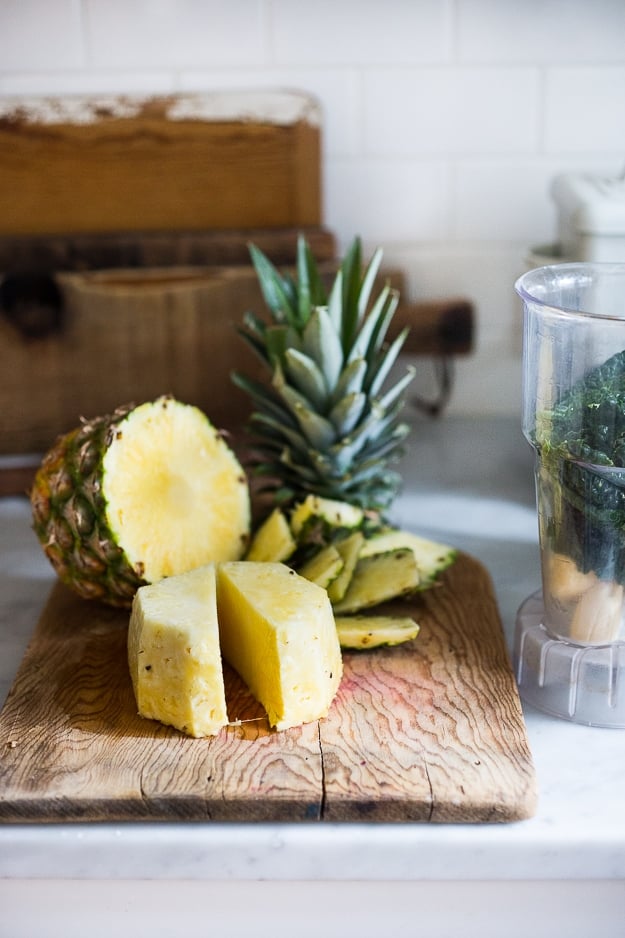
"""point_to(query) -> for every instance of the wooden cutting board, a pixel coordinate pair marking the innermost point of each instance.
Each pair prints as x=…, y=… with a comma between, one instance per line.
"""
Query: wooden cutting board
x=428, y=731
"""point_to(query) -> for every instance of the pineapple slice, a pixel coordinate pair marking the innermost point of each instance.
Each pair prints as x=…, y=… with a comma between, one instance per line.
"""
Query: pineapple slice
x=349, y=549
x=174, y=655
x=323, y=567
x=273, y=542
x=379, y=578
x=143, y=493
x=277, y=630
x=364, y=632
x=318, y=517
x=431, y=556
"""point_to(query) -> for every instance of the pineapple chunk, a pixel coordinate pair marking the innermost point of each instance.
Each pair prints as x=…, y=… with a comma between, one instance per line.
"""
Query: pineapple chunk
x=565, y=582
x=364, y=632
x=273, y=541
x=598, y=614
x=323, y=567
x=349, y=549
x=379, y=578
x=277, y=630
x=432, y=558
x=323, y=515
x=174, y=655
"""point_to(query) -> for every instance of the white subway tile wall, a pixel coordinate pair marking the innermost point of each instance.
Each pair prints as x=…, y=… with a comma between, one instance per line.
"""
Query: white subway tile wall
x=444, y=121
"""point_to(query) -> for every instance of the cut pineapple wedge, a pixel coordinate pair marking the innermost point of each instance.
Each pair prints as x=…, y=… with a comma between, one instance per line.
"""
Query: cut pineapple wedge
x=324, y=515
x=379, y=578
x=349, y=550
x=277, y=631
x=364, y=632
x=273, y=542
x=431, y=556
x=174, y=655
x=323, y=567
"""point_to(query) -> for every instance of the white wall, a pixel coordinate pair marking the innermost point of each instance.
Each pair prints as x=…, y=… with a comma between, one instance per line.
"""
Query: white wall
x=444, y=120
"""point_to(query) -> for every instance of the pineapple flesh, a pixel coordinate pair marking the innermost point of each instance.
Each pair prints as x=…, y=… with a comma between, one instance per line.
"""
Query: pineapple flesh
x=365, y=632
x=146, y=492
x=174, y=655
x=277, y=631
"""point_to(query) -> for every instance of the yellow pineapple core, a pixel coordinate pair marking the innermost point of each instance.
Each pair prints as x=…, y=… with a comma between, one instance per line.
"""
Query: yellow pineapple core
x=173, y=653
x=277, y=631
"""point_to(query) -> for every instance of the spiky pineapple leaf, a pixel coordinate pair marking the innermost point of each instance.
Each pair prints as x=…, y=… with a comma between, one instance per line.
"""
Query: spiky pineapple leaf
x=264, y=398
x=395, y=392
x=380, y=365
x=368, y=282
x=277, y=433
x=351, y=379
x=316, y=428
x=372, y=329
x=279, y=293
x=307, y=377
x=254, y=324
x=304, y=302
x=323, y=345
x=350, y=282
x=347, y=412
x=327, y=424
x=258, y=346
x=318, y=292
x=335, y=305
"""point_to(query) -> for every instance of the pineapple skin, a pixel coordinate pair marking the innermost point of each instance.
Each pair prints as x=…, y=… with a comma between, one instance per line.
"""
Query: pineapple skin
x=71, y=514
x=277, y=631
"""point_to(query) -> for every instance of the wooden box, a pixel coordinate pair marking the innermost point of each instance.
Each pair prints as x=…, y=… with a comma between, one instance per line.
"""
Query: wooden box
x=179, y=163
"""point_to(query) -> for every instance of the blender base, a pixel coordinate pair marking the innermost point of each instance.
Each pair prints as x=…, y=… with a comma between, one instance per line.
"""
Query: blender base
x=580, y=683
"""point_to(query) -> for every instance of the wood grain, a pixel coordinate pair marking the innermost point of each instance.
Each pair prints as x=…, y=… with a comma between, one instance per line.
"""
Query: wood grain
x=121, y=249
x=134, y=166
x=133, y=334
x=431, y=731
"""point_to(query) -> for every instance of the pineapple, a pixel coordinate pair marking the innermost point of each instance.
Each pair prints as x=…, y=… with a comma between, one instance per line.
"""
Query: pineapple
x=174, y=655
x=432, y=557
x=360, y=633
x=378, y=578
x=326, y=425
x=138, y=495
x=273, y=541
x=277, y=631
x=274, y=627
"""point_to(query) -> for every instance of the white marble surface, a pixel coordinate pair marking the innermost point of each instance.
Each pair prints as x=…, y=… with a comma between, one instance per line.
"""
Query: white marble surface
x=469, y=482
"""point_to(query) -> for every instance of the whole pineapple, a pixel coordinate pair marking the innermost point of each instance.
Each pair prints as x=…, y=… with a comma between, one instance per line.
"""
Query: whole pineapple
x=326, y=424
x=137, y=495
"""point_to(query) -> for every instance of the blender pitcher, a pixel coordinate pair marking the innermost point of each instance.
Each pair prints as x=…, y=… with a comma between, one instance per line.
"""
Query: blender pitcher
x=569, y=653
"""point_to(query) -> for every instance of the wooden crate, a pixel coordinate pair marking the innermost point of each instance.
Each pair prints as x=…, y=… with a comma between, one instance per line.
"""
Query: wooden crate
x=179, y=163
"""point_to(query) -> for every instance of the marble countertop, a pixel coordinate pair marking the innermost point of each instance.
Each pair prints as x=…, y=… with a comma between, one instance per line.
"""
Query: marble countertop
x=469, y=482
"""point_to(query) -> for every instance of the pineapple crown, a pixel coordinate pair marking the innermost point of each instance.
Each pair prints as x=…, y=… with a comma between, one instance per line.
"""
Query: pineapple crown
x=326, y=424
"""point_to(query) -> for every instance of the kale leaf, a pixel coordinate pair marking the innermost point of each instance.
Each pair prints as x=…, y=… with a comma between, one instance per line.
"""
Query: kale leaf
x=581, y=442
